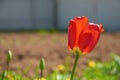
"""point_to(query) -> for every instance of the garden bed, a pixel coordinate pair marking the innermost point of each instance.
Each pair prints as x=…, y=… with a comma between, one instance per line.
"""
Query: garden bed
x=28, y=48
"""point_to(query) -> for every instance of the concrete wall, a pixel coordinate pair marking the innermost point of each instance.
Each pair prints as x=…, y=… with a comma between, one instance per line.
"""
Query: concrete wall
x=14, y=14
x=109, y=14
x=106, y=12
x=34, y=14
x=70, y=8
x=25, y=14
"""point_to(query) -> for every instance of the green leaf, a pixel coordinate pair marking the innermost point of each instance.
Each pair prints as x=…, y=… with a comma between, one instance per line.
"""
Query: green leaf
x=4, y=75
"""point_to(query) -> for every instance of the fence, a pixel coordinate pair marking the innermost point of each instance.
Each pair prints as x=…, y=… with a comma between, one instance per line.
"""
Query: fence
x=38, y=14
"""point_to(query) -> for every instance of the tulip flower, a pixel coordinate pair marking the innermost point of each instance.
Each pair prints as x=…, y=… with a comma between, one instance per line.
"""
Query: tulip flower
x=82, y=37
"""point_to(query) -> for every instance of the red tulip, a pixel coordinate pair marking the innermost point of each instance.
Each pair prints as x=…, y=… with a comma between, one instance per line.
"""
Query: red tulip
x=83, y=36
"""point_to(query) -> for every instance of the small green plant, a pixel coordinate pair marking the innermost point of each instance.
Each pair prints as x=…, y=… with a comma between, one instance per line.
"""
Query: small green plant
x=8, y=74
x=9, y=58
x=94, y=71
x=61, y=73
x=42, y=66
x=103, y=71
x=12, y=76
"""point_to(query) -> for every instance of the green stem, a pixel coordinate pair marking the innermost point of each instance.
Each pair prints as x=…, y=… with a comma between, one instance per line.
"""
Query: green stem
x=8, y=63
x=41, y=74
x=74, y=66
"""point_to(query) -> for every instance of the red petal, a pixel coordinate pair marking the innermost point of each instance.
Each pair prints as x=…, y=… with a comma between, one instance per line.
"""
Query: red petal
x=71, y=34
x=81, y=24
x=89, y=38
x=84, y=41
x=76, y=27
x=101, y=28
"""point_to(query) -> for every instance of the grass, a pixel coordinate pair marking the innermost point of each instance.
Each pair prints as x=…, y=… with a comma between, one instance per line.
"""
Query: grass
x=52, y=30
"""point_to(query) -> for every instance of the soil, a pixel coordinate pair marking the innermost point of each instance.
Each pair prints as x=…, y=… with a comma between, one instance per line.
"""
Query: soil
x=28, y=48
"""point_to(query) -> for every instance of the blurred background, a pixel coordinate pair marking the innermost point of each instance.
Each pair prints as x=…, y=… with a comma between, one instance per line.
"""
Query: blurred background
x=47, y=14
x=29, y=47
